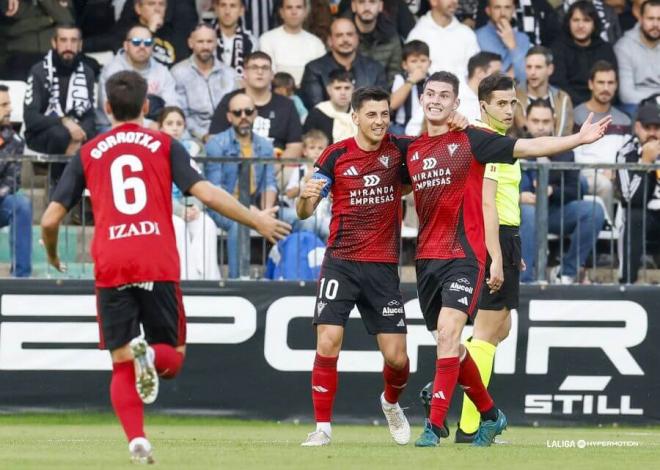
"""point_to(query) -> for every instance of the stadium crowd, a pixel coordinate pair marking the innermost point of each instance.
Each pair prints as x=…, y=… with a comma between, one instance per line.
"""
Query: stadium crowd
x=273, y=79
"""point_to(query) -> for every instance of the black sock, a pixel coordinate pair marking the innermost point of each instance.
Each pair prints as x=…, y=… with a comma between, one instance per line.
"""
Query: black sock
x=489, y=415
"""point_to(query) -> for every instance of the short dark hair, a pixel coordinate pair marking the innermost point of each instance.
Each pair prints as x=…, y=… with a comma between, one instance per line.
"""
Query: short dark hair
x=257, y=55
x=587, y=8
x=315, y=135
x=541, y=50
x=481, y=60
x=162, y=115
x=66, y=26
x=539, y=104
x=4, y=88
x=444, y=77
x=128, y=33
x=494, y=82
x=650, y=3
x=284, y=79
x=368, y=93
x=415, y=47
x=340, y=75
x=601, y=66
x=126, y=92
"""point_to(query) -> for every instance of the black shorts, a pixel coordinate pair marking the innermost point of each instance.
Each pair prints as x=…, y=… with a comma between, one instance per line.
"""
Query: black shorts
x=158, y=306
x=373, y=287
x=453, y=283
x=507, y=296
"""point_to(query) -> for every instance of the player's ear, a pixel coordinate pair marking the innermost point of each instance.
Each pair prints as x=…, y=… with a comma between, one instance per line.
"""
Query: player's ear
x=354, y=116
x=457, y=103
x=145, y=107
x=107, y=108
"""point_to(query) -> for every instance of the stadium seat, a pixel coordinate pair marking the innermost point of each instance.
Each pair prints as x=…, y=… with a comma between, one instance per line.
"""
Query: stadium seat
x=17, y=95
x=103, y=57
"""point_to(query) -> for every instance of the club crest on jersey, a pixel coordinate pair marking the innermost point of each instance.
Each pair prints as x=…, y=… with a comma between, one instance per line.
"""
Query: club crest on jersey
x=452, y=148
x=429, y=163
x=352, y=171
x=371, y=180
x=384, y=160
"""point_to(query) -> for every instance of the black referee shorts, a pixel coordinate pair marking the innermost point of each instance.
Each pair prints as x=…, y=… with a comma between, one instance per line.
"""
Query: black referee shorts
x=507, y=296
x=372, y=287
x=157, y=306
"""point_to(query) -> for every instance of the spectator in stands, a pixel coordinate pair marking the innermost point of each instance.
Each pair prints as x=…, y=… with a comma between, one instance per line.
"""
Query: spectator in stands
x=25, y=34
x=640, y=191
x=539, y=67
x=15, y=209
x=610, y=30
x=480, y=66
x=378, y=36
x=59, y=109
x=577, y=49
x=536, y=18
x=636, y=51
x=568, y=214
x=407, y=88
x=195, y=231
x=451, y=43
x=285, y=85
x=500, y=37
x=603, y=84
x=276, y=119
x=97, y=19
x=398, y=11
x=259, y=16
x=290, y=46
x=239, y=140
x=333, y=117
x=318, y=20
x=137, y=55
x=202, y=81
x=234, y=42
x=344, y=54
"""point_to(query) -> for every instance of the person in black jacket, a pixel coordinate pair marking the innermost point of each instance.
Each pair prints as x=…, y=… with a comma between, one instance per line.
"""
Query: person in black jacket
x=58, y=109
x=582, y=220
x=343, y=55
x=640, y=191
x=577, y=49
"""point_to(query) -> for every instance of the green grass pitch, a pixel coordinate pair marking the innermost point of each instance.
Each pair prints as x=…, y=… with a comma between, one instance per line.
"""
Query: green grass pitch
x=95, y=441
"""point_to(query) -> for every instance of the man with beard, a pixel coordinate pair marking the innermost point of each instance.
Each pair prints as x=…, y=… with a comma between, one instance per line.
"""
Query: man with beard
x=202, y=71
x=636, y=51
x=603, y=85
x=234, y=42
x=343, y=41
x=59, y=115
x=641, y=198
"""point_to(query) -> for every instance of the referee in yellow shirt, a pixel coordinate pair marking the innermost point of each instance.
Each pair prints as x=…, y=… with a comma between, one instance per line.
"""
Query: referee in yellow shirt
x=501, y=195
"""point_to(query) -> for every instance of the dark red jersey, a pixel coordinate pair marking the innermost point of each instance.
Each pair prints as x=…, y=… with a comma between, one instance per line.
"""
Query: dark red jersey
x=447, y=176
x=129, y=173
x=366, y=198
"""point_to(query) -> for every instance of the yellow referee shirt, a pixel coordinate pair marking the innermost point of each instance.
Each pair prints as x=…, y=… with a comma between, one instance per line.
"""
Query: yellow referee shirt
x=508, y=188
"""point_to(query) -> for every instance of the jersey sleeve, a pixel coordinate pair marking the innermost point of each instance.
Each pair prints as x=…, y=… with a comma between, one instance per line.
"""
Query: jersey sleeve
x=184, y=173
x=491, y=171
x=71, y=185
x=324, y=167
x=402, y=144
x=490, y=147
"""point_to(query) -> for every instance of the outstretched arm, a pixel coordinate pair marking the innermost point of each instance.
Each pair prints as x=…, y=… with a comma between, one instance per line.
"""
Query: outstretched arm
x=545, y=146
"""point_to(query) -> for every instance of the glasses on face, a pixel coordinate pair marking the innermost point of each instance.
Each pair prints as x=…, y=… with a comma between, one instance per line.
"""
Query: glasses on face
x=239, y=112
x=137, y=42
x=257, y=68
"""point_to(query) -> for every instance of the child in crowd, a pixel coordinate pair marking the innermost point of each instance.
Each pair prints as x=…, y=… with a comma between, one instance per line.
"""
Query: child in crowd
x=285, y=85
x=195, y=231
x=407, y=88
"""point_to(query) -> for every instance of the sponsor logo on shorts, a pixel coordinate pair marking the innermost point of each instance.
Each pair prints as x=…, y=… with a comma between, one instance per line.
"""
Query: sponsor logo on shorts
x=393, y=303
x=464, y=280
x=456, y=287
x=391, y=311
x=320, y=306
x=463, y=301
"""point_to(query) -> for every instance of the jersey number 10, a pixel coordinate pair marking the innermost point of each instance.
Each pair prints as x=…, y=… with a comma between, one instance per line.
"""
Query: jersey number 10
x=121, y=185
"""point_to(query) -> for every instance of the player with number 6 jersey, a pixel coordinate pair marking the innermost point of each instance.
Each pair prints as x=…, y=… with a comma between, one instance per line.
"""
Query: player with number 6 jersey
x=129, y=173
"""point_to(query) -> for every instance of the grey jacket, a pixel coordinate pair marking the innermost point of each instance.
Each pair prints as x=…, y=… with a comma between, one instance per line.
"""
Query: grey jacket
x=199, y=95
x=638, y=77
x=159, y=80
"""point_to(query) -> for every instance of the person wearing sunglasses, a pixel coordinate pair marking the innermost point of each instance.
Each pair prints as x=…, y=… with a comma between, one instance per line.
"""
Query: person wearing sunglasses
x=239, y=141
x=137, y=55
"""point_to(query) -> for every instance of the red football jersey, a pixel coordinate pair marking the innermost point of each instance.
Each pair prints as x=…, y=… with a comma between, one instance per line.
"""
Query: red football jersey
x=447, y=178
x=129, y=173
x=366, y=199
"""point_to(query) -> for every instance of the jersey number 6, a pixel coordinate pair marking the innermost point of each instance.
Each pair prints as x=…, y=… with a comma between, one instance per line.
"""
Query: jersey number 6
x=121, y=185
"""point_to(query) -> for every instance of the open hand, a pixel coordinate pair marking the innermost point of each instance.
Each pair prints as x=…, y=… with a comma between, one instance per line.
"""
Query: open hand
x=592, y=131
x=271, y=228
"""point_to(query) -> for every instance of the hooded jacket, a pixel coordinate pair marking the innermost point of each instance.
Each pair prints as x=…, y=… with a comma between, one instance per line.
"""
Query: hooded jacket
x=638, y=77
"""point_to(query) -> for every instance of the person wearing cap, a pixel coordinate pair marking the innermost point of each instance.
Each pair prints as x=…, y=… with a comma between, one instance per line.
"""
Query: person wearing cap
x=641, y=199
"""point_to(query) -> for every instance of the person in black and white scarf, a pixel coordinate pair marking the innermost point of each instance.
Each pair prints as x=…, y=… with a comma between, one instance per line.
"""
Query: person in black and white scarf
x=58, y=108
x=234, y=42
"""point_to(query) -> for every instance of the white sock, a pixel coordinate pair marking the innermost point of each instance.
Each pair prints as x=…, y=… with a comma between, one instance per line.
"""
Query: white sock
x=325, y=427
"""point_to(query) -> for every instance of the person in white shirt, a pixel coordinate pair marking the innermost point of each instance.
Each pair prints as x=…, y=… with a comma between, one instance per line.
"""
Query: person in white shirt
x=451, y=42
x=480, y=66
x=290, y=46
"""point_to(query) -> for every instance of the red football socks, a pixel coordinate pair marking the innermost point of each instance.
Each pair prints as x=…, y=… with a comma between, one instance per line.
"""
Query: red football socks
x=446, y=377
x=125, y=400
x=168, y=360
x=470, y=379
x=324, y=387
x=395, y=381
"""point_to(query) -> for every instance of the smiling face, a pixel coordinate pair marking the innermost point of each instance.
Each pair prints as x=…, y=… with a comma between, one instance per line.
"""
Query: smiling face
x=438, y=101
x=372, y=120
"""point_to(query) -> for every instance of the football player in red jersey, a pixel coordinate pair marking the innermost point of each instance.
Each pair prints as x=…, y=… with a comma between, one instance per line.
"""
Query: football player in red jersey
x=446, y=169
x=129, y=173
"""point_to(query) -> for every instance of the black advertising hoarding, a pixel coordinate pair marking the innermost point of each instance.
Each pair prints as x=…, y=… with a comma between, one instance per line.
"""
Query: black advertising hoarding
x=576, y=354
